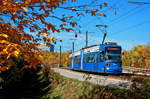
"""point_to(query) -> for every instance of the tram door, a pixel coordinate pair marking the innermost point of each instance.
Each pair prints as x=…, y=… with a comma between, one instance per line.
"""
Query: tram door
x=101, y=62
x=96, y=62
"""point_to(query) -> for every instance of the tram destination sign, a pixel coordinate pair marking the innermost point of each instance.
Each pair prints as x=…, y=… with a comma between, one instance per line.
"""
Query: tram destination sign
x=113, y=48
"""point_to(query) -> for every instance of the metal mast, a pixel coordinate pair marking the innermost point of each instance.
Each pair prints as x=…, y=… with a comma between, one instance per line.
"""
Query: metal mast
x=103, y=30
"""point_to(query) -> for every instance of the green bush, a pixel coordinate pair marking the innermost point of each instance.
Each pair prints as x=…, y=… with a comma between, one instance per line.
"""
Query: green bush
x=18, y=83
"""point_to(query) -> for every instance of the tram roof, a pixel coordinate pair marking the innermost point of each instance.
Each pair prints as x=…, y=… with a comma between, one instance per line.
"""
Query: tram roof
x=94, y=48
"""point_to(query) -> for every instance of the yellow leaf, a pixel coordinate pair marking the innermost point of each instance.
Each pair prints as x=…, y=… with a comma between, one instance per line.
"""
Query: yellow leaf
x=25, y=9
x=16, y=53
x=44, y=34
x=4, y=42
x=4, y=35
x=54, y=39
x=40, y=56
x=5, y=50
x=13, y=25
x=102, y=14
x=51, y=39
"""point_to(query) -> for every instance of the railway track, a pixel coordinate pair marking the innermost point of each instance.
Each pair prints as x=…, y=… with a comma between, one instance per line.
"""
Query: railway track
x=124, y=75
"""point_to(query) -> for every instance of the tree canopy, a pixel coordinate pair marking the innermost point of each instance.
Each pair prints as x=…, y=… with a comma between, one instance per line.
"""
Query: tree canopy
x=139, y=56
x=23, y=23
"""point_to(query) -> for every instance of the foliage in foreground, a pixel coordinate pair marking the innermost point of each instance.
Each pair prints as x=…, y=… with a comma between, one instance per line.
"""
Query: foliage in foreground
x=18, y=83
x=63, y=88
x=25, y=23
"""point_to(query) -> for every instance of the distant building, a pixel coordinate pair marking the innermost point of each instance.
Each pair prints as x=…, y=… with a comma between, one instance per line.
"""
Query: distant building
x=51, y=48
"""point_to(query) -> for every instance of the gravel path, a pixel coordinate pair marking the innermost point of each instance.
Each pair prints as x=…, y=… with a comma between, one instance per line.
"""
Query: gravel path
x=96, y=79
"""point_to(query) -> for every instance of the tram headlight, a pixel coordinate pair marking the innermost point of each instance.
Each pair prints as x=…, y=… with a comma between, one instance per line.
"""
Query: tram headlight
x=107, y=64
x=107, y=68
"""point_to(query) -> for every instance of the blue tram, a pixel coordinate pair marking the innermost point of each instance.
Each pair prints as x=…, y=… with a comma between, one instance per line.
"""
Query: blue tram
x=105, y=58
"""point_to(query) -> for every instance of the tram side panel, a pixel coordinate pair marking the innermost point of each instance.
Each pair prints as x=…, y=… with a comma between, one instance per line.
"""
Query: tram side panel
x=76, y=62
x=89, y=62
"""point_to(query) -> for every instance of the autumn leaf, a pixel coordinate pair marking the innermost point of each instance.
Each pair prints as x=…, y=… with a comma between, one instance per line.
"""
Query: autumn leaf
x=54, y=40
x=95, y=10
x=5, y=51
x=69, y=29
x=49, y=26
x=3, y=68
x=36, y=27
x=73, y=24
x=4, y=35
x=102, y=14
x=25, y=9
x=44, y=34
x=105, y=4
x=13, y=25
x=51, y=39
x=101, y=6
x=16, y=53
x=80, y=14
x=63, y=19
x=4, y=42
x=25, y=15
x=31, y=30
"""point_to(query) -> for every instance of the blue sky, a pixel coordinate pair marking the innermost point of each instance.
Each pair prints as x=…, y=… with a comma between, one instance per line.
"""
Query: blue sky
x=129, y=27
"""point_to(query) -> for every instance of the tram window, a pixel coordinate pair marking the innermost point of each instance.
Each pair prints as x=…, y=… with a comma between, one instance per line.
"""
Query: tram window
x=111, y=58
x=76, y=59
x=84, y=60
x=102, y=58
x=90, y=58
x=96, y=59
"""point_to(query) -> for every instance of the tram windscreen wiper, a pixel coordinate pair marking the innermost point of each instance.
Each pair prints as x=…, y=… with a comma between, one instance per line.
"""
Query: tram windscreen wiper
x=113, y=58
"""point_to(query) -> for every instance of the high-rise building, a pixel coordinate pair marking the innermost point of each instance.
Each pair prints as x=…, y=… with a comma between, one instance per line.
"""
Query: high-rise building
x=51, y=48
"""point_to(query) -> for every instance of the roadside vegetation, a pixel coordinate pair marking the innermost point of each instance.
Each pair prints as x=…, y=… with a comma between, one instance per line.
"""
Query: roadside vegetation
x=53, y=59
x=66, y=88
x=139, y=57
x=41, y=82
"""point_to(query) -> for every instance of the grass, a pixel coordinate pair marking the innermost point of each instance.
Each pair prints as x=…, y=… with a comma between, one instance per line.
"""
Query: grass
x=67, y=88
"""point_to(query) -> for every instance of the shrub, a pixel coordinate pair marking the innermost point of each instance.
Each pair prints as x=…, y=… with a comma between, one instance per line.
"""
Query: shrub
x=18, y=83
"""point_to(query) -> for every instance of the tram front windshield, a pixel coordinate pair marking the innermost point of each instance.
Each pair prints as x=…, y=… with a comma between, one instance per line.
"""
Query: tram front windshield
x=113, y=54
x=113, y=58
